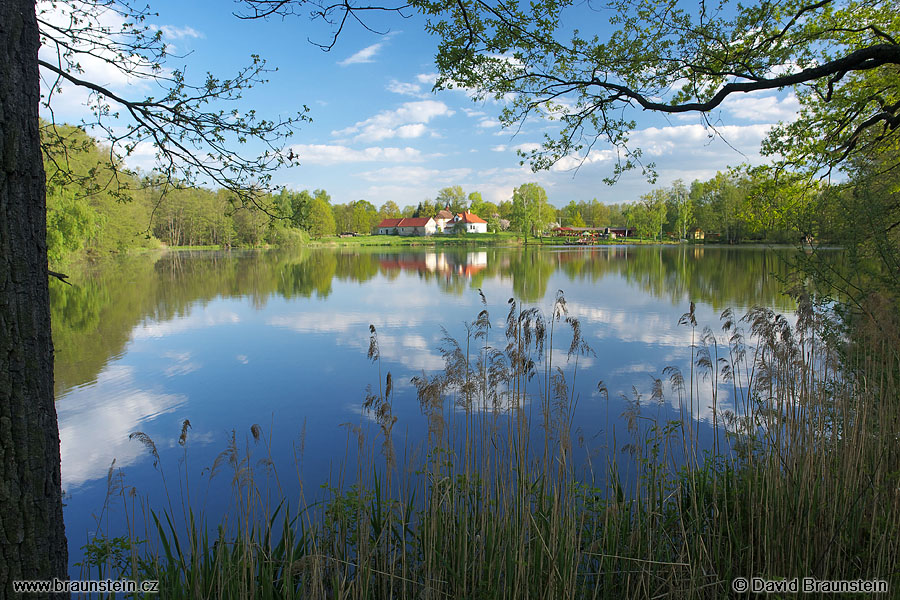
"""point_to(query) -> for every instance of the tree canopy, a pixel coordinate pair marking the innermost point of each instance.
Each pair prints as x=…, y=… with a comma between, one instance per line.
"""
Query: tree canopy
x=672, y=57
x=530, y=211
x=454, y=197
x=196, y=136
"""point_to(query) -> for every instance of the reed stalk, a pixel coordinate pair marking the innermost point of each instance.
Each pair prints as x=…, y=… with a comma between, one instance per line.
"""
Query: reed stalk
x=804, y=482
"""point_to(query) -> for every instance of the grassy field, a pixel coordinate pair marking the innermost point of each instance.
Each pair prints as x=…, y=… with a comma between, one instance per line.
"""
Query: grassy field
x=474, y=239
x=505, y=238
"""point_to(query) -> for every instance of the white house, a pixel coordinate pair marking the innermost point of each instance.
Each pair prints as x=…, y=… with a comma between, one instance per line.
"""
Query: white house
x=472, y=222
x=419, y=226
x=443, y=219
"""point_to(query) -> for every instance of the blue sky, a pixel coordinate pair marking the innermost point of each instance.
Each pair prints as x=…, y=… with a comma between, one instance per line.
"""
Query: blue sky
x=379, y=133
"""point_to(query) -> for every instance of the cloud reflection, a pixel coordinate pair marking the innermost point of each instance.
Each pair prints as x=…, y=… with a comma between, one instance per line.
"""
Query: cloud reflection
x=94, y=423
x=181, y=365
x=198, y=319
x=333, y=322
x=645, y=327
x=351, y=329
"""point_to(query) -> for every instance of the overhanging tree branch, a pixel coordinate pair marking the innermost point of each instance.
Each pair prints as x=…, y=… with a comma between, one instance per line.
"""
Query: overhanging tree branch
x=859, y=60
x=667, y=59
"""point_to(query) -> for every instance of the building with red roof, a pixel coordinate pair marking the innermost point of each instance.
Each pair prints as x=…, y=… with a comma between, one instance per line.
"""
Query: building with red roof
x=409, y=226
x=472, y=223
x=443, y=218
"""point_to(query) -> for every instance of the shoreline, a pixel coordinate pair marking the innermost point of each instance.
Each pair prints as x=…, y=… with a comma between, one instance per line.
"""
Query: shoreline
x=468, y=240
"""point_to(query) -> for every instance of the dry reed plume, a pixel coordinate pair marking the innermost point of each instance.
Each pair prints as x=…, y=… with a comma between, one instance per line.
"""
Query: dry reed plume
x=803, y=482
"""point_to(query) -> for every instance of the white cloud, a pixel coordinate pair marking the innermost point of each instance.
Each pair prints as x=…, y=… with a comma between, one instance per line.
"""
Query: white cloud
x=391, y=123
x=496, y=184
x=567, y=163
x=691, y=139
x=395, y=342
x=103, y=59
x=416, y=175
x=488, y=123
x=767, y=109
x=788, y=68
x=100, y=64
x=173, y=32
x=143, y=156
x=411, y=131
x=527, y=147
x=406, y=89
x=323, y=322
x=524, y=147
x=366, y=55
x=644, y=326
x=332, y=154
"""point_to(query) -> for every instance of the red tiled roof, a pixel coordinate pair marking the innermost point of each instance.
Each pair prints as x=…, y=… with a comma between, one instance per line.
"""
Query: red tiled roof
x=468, y=217
x=408, y=222
x=419, y=222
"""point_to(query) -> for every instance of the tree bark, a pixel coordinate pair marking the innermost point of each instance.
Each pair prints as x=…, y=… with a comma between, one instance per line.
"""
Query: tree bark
x=32, y=535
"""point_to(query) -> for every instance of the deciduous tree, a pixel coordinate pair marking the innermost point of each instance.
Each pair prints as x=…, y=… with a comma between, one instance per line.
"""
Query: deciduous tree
x=530, y=209
x=321, y=219
x=452, y=196
x=670, y=56
x=389, y=210
x=195, y=140
x=681, y=206
x=32, y=535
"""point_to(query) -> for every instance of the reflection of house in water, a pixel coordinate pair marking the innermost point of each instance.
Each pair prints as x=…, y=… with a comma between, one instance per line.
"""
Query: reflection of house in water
x=449, y=264
x=435, y=261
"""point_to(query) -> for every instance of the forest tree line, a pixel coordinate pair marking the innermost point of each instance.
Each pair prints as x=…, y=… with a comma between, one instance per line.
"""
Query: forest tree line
x=95, y=207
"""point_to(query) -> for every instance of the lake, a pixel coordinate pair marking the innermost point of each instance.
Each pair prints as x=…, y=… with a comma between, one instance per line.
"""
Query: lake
x=279, y=339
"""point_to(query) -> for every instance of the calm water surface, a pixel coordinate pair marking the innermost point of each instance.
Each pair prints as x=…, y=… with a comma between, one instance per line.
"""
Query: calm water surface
x=279, y=339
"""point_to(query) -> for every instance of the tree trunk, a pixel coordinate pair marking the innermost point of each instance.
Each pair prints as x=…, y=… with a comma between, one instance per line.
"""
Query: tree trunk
x=32, y=536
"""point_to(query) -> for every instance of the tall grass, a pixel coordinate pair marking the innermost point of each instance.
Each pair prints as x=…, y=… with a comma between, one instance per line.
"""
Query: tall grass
x=802, y=480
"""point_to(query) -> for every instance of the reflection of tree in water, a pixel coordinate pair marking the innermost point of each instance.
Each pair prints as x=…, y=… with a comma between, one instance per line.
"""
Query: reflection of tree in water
x=79, y=306
x=356, y=267
x=719, y=276
x=79, y=320
x=94, y=319
x=312, y=274
x=192, y=276
x=531, y=269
